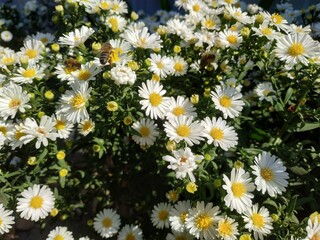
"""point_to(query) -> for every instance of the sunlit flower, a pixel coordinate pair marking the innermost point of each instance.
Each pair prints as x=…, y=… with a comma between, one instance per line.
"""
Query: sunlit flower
x=12, y=100
x=60, y=233
x=73, y=102
x=160, y=215
x=271, y=174
x=313, y=230
x=86, y=126
x=147, y=132
x=6, y=220
x=107, y=223
x=32, y=49
x=180, y=66
x=87, y=72
x=296, y=48
x=130, y=232
x=122, y=75
x=8, y=58
x=265, y=91
x=116, y=23
x=180, y=106
x=26, y=75
x=229, y=38
x=62, y=126
x=179, y=236
x=201, y=220
x=227, y=100
x=36, y=203
x=227, y=228
x=45, y=38
x=219, y=133
x=184, y=128
x=239, y=188
x=141, y=38
x=258, y=221
x=42, y=132
x=238, y=14
x=160, y=65
x=17, y=134
x=154, y=102
x=6, y=36
x=77, y=37
x=178, y=215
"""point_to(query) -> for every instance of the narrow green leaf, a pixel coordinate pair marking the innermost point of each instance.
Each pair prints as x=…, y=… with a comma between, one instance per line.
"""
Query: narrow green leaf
x=288, y=95
x=62, y=181
x=278, y=107
x=299, y=170
x=302, y=127
x=292, y=204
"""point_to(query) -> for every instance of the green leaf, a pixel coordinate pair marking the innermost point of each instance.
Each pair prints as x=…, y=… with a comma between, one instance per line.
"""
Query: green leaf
x=271, y=203
x=278, y=107
x=4, y=198
x=62, y=181
x=292, y=204
x=43, y=154
x=302, y=127
x=288, y=96
x=299, y=170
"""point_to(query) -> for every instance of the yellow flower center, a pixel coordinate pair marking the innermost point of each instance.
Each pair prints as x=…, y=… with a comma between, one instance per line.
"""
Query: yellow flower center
x=1, y=222
x=217, y=133
x=267, y=174
x=18, y=134
x=58, y=237
x=257, y=220
x=77, y=101
x=115, y=55
x=160, y=65
x=7, y=61
x=14, y=103
x=44, y=40
x=3, y=130
x=238, y=189
x=163, y=215
x=36, y=202
x=104, y=5
x=296, y=49
x=29, y=73
x=266, y=92
x=225, y=101
x=178, y=111
x=86, y=126
x=183, y=217
x=155, y=99
x=69, y=70
x=276, y=18
x=144, y=131
x=130, y=236
x=203, y=221
x=316, y=236
x=107, y=223
x=209, y=23
x=115, y=7
x=143, y=41
x=232, y=39
x=183, y=130
x=114, y=24
x=180, y=238
x=266, y=31
x=60, y=125
x=84, y=74
x=178, y=67
x=196, y=7
x=31, y=53
x=228, y=1
x=225, y=228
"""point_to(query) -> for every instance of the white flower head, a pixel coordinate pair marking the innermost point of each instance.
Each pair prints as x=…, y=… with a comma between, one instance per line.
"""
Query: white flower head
x=178, y=215
x=183, y=163
x=122, y=75
x=147, y=132
x=160, y=65
x=227, y=228
x=180, y=106
x=6, y=220
x=141, y=38
x=107, y=223
x=77, y=37
x=36, y=202
x=160, y=215
x=130, y=232
x=271, y=174
x=87, y=72
x=60, y=233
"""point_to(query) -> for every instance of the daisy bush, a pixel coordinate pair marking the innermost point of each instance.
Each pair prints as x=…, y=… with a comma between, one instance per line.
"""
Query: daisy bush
x=197, y=124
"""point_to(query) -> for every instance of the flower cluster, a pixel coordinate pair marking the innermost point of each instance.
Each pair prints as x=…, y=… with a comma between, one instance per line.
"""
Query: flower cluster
x=200, y=124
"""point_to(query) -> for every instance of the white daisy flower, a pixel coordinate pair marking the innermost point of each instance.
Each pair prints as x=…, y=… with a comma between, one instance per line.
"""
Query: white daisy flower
x=293, y=28
x=141, y=38
x=42, y=132
x=227, y=228
x=32, y=49
x=160, y=65
x=6, y=220
x=258, y=221
x=120, y=50
x=73, y=102
x=179, y=236
x=26, y=75
x=60, y=233
x=178, y=215
x=276, y=20
x=201, y=220
x=86, y=126
x=147, y=132
x=160, y=215
x=64, y=72
x=2, y=139
x=183, y=163
x=239, y=188
x=130, y=232
x=227, y=100
x=211, y=22
x=62, y=126
x=180, y=106
x=180, y=28
x=154, y=102
x=180, y=66
x=229, y=38
x=45, y=38
x=267, y=31
x=296, y=48
x=238, y=14
x=17, y=134
x=263, y=91
x=271, y=174
x=36, y=203
x=6, y=129
x=87, y=72
x=219, y=133
x=84, y=238
x=6, y=36
x=313, y=229
x=123, y=75
x=115, y=23
x=77, y=37
x=184, y=128
x=12, y=100
x=119, y=7
x=8, y=58
x=107, y=223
